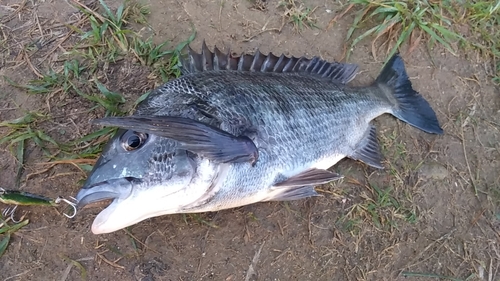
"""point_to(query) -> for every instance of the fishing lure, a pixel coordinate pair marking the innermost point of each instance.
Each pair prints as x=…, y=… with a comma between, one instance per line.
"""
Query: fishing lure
x=21, y=198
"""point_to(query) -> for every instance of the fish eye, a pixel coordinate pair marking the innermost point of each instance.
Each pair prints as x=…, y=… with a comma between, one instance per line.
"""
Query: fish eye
x=133, y=140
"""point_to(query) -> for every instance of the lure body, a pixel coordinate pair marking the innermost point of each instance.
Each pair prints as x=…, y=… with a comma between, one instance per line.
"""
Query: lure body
x=21, y=198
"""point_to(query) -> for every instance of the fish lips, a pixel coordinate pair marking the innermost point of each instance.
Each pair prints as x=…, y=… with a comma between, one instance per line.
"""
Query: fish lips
x=111, y=189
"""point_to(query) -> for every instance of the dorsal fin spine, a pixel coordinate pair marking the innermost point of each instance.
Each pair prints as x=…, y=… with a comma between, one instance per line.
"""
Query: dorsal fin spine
x=337, y=72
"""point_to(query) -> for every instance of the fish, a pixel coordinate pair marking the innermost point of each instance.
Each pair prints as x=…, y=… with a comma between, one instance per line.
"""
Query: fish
x=238, y=130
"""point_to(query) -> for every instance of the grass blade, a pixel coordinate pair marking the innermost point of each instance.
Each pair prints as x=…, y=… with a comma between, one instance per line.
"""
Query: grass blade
x=78, y=265
x=4, y=243
x=94, y=135
x=24, y=120
x=361, y=37
x=402, y=38
x=141, y=98
x=436, y=37
x=20, y=162
x=354, y=25
x=429, y=275
x=13, y=228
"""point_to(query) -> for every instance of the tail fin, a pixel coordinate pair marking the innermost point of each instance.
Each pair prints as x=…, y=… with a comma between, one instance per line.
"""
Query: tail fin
x=410, y=106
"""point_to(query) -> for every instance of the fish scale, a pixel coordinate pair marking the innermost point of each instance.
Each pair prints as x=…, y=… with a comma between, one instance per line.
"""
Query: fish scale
x=303, y=117
x=233, y=131
x=312, y=121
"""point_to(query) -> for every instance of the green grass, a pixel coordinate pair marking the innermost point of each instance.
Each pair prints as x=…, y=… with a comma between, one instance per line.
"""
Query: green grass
x=436, y=276
x=390, y=24
x=107, y=39
x=484, y=19
x=401, y=26
x=19, y=131
x=83, y=271
x=6, y=230
x=400, y=20
x=187, y=218
x=379, y=207
x=386, y=202
x=298, y=14
x=394, y=26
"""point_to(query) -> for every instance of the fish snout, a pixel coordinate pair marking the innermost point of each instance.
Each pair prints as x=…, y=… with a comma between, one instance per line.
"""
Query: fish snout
x=107, y=190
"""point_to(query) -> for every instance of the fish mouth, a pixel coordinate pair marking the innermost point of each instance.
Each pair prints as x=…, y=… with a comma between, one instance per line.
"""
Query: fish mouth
x=132, y=200
x=106, y=191
x=102, y=204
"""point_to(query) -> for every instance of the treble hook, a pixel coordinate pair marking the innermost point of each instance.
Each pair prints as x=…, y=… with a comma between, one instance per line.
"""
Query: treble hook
x=10, y=212
x=72, y=204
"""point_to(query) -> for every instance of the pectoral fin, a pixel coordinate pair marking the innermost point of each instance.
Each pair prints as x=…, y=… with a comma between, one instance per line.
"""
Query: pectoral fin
x=193, y=136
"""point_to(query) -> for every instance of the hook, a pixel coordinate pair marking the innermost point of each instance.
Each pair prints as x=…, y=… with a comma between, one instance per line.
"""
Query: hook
x=5, y=212
x=10, y=212
x=73, y=205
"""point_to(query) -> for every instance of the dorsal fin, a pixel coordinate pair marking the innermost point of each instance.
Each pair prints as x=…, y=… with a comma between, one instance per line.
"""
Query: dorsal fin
x=205, y=61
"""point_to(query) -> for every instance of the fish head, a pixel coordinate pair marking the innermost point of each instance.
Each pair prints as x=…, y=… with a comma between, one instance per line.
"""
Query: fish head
x=144, y=176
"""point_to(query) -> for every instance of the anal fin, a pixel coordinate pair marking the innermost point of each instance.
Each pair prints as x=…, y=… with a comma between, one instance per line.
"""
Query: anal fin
x=368, y=150
x=310, y=177
x=294, y=193
x=301, y=186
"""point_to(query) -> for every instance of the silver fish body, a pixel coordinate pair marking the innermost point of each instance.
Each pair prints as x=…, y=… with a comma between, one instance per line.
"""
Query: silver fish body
x=286, y=121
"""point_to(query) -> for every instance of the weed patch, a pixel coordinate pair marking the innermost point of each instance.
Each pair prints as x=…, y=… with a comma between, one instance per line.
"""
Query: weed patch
x=105, y=39
x=413, y=22
x=298, y=14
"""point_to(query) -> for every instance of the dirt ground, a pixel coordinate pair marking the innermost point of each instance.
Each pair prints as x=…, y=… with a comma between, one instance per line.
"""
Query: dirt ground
x=433, y=211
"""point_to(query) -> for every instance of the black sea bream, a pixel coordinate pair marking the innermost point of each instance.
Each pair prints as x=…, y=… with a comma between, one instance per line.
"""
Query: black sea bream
x=233, y=131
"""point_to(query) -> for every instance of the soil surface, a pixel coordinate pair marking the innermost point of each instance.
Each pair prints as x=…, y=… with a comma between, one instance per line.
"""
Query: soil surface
x=433, y=211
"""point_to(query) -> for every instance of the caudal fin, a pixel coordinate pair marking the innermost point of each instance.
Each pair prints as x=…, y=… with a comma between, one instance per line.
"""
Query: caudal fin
x=409, y=106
